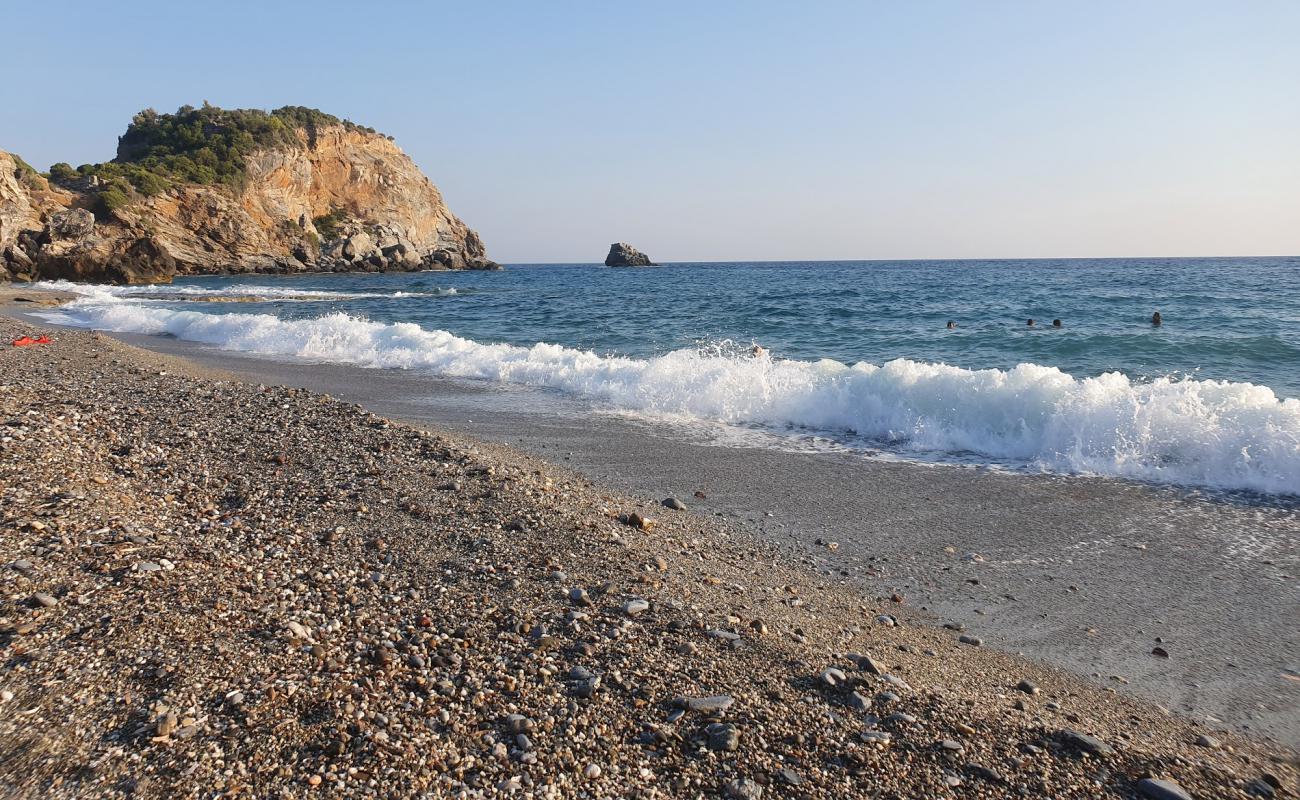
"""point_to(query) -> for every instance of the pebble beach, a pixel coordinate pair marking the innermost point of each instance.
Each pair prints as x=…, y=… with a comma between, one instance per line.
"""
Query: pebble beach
x=217, y=588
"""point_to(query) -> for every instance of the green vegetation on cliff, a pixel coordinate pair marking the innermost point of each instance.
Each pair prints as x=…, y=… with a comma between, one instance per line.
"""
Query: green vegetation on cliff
x=207, y=145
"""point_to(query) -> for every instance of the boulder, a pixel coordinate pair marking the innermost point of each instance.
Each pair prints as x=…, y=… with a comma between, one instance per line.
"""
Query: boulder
x=71, y=225
x=18, y=259
x=358, y=247
x=622, y=254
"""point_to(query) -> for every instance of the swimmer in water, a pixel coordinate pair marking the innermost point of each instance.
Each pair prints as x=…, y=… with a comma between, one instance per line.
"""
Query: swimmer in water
x=758, y=351
x=1155, y=319
x=1029, y=322
x=951, y=324
x=1056, y=323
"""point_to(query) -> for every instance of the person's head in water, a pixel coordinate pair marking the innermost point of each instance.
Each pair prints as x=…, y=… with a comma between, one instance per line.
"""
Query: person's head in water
x=1155, y=318
x=758, y=351
x=1029, y=322
x=951, y=324
x=1056, y=323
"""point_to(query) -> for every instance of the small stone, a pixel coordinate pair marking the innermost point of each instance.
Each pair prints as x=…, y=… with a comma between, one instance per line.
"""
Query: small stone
x=1160, y=789
x=1027, y=687
x=791, y=777
x=636, y=606
x=984, y=773
x=45, y=600
x=579, y=597
x=833, y=676
x=6, y=696
x=1207, y=741
x=518, y=723
x=592, y=772
x=642, y=523
x=1085, y=743
x=868, y=664
x=895, y=681
x=1159, y=652
x=744, y=789
x=674, y=504
x=951, y=745
x=723, y=737
x=719, y=702
x=887, y=620
x=877, y=737
x=973, y=641
x=166, y=724
x=147, y=566
x=721, y=634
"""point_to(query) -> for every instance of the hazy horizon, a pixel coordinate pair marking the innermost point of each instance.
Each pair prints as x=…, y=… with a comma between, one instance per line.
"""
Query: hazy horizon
x=741, y=131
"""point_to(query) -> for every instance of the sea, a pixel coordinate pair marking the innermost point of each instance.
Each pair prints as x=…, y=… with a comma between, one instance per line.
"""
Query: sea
x=857, y=355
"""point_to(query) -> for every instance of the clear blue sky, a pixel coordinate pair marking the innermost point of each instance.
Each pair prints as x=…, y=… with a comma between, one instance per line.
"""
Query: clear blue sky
x=737, y=130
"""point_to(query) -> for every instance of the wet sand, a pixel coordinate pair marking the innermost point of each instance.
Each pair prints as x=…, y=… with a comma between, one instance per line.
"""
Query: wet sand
x=1094, y=575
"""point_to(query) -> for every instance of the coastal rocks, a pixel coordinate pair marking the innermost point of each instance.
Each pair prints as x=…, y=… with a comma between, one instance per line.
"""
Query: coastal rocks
x=396, y=219
x=622, y=254
x=358, y=246
x=73, y=224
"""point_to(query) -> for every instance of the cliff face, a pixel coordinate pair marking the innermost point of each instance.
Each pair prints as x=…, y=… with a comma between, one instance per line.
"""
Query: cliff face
x=383, y=214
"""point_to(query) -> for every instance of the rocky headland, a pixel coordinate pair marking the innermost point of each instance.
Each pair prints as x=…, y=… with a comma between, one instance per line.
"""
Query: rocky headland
x=207, y=190
x=622, y=254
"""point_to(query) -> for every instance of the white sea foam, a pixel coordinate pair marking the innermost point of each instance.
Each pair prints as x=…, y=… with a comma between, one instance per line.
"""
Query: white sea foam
x=234, y=291
x=1192, y=432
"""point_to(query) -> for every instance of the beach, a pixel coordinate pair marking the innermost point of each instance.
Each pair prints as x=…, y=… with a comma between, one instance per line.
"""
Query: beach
x=1089, y=574
x=228, y=586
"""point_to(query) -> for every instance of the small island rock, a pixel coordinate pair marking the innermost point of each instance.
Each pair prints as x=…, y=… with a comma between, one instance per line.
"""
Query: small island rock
x=622, y=254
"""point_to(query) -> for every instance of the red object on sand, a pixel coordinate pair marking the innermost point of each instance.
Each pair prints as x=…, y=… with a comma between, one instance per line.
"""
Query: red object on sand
x=23, y=341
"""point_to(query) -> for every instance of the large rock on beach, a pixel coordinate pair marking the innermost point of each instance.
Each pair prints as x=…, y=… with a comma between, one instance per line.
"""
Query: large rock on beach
x=622, y=254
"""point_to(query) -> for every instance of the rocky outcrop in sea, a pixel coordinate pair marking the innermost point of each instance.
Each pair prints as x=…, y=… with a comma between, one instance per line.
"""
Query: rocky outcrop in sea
x=622, y=254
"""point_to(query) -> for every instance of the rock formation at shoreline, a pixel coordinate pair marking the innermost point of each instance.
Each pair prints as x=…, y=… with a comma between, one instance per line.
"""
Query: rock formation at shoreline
x=622, y=254
x=210, y=191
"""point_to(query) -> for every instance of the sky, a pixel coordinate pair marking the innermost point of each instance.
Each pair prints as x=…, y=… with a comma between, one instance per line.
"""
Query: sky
x=746, y=130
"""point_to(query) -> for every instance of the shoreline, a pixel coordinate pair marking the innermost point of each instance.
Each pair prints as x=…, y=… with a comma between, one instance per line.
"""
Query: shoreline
x=1089, y=574
x=293, y=507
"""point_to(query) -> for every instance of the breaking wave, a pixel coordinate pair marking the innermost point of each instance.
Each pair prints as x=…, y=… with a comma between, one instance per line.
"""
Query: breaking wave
x=1204, y=433
x=245, y=292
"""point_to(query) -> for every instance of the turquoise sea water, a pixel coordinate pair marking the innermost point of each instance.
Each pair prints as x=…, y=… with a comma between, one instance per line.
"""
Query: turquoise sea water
x=858, y=350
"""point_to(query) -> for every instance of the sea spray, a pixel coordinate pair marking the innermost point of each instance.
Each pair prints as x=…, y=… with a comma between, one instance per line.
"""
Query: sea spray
x=1219, y=434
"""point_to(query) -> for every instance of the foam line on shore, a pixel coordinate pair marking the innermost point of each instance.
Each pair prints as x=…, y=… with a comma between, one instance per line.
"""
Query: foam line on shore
x=237, y=291
x=1216, y=434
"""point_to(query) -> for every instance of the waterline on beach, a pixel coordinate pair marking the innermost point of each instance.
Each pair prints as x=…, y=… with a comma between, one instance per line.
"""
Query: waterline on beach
x=1187, y=432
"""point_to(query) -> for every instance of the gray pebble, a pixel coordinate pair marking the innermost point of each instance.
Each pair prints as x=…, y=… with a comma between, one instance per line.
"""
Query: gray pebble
x=1158, y=789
